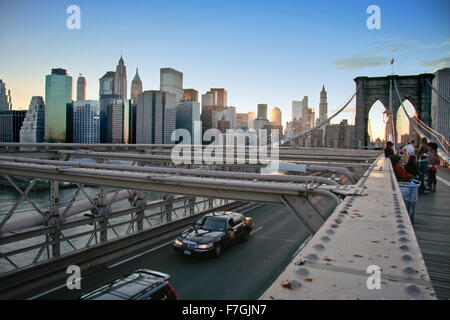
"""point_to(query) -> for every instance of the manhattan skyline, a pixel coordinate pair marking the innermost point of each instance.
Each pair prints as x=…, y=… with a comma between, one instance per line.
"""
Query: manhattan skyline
x=271, y=53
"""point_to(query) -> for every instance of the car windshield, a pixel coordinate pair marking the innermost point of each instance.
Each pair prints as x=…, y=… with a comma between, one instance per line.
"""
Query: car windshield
x=214, y=224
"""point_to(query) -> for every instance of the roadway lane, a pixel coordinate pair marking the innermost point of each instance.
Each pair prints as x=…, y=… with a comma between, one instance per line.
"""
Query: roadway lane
x=244, y=271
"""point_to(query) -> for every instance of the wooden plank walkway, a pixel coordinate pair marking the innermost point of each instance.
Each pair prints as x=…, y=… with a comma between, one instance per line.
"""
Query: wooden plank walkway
x=432, y=228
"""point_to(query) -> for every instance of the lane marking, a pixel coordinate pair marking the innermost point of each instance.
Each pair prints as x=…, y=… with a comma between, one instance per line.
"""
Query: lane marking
x=300, y=248
x=256, y=230
x=259, y=205
x=443, y=181
x=140, y=254
x=279, y=239
x=51, y=290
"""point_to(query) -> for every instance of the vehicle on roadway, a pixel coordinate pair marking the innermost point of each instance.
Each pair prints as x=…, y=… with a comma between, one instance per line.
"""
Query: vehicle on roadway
x=142, y=284
x=213, y=232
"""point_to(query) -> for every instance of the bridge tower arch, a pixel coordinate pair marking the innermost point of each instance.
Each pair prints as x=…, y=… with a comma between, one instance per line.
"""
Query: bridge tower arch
x=413, y=87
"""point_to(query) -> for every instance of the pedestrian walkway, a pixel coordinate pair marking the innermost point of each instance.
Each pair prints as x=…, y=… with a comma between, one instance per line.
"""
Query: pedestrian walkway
x=432, y=228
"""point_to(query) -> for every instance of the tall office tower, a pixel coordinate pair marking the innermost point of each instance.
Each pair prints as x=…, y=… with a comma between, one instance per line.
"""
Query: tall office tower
x=221, y=97
x=323, y=105
x=120, y=79
x=262, y=111
x=170, y=121
x=106, y=96
x=152, y=124
x=209, y=100
x=187, y=113
x=276, y=116
x=209, y=113
x=10, y=124
x=86, y=121
x=136, y=87
x=440, y=109
x=81, y=88
x=190, y=95
x=171, y=81
x=33, y=126
x=228, y=118
x=296, y=110
x=58, y=92
x=251, y=120
x=132, y=124
x=115, y=121
x=5, y=97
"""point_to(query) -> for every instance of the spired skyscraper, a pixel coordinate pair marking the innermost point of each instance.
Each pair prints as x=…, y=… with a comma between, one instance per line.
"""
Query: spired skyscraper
x=81, y=88
x=323, y=105
x=5, y=97
x=58, y=92
x=120, y=79
x=136, y=88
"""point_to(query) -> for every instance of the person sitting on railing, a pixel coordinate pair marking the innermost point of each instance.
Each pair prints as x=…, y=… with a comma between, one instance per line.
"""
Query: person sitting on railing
x=400, y=172
x=433, y=163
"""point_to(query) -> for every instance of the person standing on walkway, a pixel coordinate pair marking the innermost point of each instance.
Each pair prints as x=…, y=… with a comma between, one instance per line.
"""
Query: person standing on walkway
x=433, y=163
x=409, y=150
x=422, y=165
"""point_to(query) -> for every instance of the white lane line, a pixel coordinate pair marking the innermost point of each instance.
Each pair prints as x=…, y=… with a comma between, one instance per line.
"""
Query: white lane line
x=51, y=290
x=278, y=239
x=140, y=254
x=443, y=181
x=256, y=230
x=304, y=243
x=259, y=205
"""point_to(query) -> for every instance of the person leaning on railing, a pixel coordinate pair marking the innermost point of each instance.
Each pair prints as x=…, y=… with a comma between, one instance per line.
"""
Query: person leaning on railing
x=400, y=172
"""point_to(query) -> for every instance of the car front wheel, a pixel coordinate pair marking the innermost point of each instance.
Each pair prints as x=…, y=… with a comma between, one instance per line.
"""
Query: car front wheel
x=218, y=251
x=246, y=236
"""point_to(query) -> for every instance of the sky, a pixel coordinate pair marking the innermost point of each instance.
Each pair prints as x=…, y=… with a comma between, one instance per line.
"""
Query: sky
x=269, y=52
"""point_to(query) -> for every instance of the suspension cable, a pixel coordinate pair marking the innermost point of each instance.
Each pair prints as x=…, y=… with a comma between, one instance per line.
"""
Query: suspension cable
x=411, y=122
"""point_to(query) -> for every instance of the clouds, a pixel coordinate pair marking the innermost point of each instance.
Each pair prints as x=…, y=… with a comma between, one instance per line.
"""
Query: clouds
x=361, y=61
x=438, y=64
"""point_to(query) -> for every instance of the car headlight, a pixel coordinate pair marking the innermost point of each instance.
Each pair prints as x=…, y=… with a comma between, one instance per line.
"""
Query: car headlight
x=178, y=242
x=205, y=246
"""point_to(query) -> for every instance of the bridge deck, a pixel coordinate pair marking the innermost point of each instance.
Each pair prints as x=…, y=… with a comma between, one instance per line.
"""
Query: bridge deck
x=363, y=231
x=432, y=227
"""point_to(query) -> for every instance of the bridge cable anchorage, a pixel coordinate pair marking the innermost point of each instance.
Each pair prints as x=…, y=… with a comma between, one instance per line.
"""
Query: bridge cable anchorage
x=435, y=90
x=416, y=124
x=323, y=122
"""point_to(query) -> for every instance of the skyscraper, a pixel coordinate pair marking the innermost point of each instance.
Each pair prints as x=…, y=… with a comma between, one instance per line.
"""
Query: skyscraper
x=5, y=97
x=106, y=96
x=33, y=126
x=10, y=124
x=221, y=97
x=440, y=109
x=136, y=87
x=251, y=120
x=187, y=113
x=171, y=81
x=276, y=116
x=190, y=95
x=81, y=88
x=154, y=121
x=86, y=121
x=58, y=92
x=262, y=111
x=120, y=79
x=323, y=105
x=296, y=110
x=115, y=121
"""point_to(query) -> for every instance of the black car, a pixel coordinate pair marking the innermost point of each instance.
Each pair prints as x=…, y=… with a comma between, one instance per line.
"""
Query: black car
x=142, y=284
x=213, y=232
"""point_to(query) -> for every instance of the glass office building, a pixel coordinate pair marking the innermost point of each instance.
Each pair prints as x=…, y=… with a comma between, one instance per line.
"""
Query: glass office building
x=86, y=121
x=58, y=92
x=187, y=113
